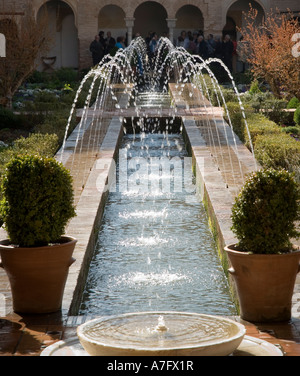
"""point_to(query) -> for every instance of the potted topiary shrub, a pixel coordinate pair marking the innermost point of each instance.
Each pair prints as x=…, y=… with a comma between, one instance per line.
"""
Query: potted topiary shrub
x=264, y=262
x=37, y=203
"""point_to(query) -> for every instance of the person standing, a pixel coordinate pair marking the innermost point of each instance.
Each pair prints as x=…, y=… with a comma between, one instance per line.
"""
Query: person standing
x=110, y=42
x=97, y=50
x=211, y=45
x=102, y=40
x=227, y=52
x=121, y=43
x=202, y=49
x=242, y=54
x=180, y=39
x=153, y=44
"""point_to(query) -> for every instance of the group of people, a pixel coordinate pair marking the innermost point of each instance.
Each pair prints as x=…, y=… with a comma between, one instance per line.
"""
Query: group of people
x=102, y=45
x=196, y=44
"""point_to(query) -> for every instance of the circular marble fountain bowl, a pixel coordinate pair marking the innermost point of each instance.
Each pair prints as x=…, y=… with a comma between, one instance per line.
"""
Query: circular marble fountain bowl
x=161, y=334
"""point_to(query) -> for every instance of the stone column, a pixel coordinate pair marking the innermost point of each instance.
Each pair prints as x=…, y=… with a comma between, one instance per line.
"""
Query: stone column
x=171, y=25
x=2, y=45
x=129, y=24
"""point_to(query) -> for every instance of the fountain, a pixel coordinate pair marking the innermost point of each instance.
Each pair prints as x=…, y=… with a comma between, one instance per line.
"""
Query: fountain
x=161, y=334
x=158, y=332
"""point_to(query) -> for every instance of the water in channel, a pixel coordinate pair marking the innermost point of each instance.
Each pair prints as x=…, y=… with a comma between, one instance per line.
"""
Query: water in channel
x=155, y=250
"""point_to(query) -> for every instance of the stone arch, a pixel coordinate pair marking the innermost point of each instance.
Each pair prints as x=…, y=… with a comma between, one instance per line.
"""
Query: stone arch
x=64, y=50
x=38, y=4
x=189, y=18
x=233, y=13
x=132, y=6
x=112, y=18
x=202, y=5
x=150, y=16
x=265, y=4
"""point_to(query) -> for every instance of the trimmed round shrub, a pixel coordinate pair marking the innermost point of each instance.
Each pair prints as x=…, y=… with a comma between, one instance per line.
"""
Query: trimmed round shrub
x=37, y=200
x=297, y=116
x=265, y=211
x=293, y=103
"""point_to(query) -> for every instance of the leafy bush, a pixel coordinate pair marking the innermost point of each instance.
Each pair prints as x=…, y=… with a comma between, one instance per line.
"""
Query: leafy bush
x=229, y=95
x=254, y=88
x=46, y=97
x=291, y=130
x=212, y=91
x=56, y=79
x=237, y=119
x=273, y=109
x=37, y=200
x=259, y=125
x=265, y=211
x=293, y=103
x=277, y=151
x=297, y=116
x=257, y=99
x=37, y=144
x=55, y=123
x=45, y=102
x=66, y=75
x=269, y=105
x=8, y=119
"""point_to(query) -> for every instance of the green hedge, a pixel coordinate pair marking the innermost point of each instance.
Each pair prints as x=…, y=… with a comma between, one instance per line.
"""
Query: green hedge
x=292, y=130
x=277, y=151
x=258, y=124
x=36, y=144
x=236, y=117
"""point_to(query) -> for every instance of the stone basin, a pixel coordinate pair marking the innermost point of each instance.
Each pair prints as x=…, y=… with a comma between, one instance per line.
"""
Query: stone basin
x=161, y=334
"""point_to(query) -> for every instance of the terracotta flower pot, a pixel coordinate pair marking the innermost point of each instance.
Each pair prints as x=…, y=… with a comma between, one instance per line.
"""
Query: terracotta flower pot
x=265, y=283
x=37, y=275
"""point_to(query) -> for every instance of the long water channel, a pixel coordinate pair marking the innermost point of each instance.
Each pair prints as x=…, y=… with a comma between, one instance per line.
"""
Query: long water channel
x=155, y=250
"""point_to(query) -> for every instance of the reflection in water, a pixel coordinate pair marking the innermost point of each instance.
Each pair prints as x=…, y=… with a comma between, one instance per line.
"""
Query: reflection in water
x=155, y=250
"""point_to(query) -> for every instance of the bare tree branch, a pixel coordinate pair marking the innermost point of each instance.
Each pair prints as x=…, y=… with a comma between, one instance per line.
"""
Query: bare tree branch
x=27, y=39
x=270, y=46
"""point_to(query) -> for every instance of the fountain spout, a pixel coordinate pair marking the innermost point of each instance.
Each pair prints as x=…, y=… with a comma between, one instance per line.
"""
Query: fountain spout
x=161, y=326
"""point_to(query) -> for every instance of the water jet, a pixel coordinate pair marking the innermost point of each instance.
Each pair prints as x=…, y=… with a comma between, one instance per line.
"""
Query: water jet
x=119, y=95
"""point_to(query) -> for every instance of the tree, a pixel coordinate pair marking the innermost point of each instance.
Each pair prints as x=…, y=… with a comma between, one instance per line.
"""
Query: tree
x=269, y=51
x=27, y=39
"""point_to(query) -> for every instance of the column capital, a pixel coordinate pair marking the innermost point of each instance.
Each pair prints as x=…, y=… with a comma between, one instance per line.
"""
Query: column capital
x=129, y=21
x=171, y=22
